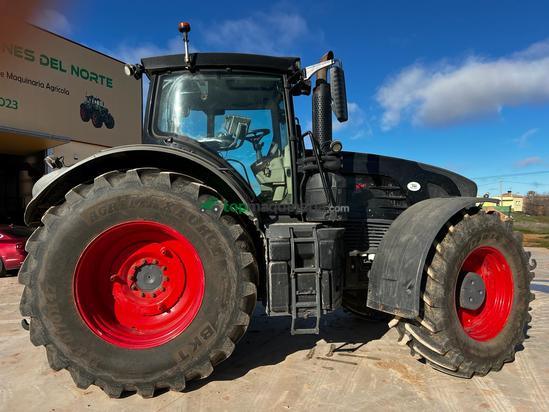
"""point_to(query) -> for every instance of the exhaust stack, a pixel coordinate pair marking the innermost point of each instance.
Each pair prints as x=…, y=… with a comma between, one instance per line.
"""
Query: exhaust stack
x=322, y=107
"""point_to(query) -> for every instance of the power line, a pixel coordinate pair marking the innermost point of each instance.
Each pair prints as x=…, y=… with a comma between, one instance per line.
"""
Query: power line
x=512, y=174
x=527, y=183
x=514, y=182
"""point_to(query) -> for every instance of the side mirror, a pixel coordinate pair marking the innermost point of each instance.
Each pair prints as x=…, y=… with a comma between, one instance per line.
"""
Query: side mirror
x=339, y=93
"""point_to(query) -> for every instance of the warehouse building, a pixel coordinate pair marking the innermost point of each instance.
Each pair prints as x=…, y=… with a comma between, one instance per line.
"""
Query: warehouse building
x=58, y=97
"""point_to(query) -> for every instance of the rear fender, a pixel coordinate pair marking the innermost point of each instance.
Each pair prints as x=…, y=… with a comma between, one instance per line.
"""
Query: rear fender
x=51, y=189
x=398, y=268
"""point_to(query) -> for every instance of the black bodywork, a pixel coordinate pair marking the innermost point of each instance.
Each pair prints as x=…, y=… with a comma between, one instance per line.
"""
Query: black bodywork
x=311, y=257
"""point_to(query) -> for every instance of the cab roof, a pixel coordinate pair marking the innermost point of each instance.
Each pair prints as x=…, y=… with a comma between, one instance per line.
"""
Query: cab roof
x=257, y=62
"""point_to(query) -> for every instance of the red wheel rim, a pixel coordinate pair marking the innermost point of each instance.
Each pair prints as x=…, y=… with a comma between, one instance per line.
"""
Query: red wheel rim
x=139, y=284
x=487, y=321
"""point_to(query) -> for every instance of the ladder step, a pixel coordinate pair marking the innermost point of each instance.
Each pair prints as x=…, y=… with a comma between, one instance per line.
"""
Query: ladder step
x=309, y=305
x=304, y=240
x=305, y=270
x=309, y=331
x=310, y=309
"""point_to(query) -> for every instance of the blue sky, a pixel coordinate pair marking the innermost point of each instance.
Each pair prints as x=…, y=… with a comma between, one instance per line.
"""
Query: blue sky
x=462, y=85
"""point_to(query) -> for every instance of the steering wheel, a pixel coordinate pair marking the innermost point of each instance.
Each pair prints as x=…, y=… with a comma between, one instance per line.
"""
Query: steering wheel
x=255, y=136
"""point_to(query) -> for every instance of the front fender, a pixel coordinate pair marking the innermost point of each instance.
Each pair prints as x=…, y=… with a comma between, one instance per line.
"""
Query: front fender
x=51, y=189
x=398, y=268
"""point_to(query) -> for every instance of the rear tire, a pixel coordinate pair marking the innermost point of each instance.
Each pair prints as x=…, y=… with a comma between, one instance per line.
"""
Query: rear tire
x=56, y=302
x=2, y=269
x=458, y=341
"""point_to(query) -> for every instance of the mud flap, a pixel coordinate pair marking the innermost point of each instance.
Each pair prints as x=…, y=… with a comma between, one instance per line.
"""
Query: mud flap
x=397, y=271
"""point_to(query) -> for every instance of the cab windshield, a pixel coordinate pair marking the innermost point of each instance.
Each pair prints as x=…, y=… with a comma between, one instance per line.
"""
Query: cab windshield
x=241, y=117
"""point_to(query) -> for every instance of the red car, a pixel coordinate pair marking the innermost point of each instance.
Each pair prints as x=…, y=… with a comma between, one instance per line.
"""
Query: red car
x=12, y=247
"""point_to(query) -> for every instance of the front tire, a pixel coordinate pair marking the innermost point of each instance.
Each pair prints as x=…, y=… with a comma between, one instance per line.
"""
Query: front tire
x=117, y=233
x=97, y=121
x=84, y=113
x=109, y=122
x=461, y=341
x=355, y=302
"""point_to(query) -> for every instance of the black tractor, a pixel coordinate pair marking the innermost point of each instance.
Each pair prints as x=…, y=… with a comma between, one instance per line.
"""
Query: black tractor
x=94, y=108
x=149, y=259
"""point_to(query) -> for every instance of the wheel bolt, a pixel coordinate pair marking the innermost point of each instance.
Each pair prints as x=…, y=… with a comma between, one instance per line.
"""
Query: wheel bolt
x=142, y=294
x=166, y=278
x=164, y=251
x=155, y=262
x=132, y=278
x=144, y=262
x=134, y=287
x=153, y=295
x=163, y=289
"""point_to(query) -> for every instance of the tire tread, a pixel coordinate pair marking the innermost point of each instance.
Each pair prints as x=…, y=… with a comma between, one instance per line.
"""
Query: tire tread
x=178, y=184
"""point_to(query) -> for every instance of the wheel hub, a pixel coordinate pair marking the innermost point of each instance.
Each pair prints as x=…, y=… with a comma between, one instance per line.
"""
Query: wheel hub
x=149, y=278
x=473, y=291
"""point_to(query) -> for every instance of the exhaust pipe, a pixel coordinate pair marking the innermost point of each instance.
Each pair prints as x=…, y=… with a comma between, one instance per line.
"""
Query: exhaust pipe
x=322, y=107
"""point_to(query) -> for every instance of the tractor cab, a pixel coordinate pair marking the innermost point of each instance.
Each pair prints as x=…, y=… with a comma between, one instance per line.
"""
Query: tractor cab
x=239, y=116
x=239, y=108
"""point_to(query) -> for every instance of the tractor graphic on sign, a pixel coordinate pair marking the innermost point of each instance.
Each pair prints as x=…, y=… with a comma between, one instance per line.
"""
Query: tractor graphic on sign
x=94, y=108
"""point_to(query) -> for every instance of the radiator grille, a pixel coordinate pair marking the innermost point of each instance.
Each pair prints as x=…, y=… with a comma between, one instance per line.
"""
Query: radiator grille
x=365, y=235
x=375, y=197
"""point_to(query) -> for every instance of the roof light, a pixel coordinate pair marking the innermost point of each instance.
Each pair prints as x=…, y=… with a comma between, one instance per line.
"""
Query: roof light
x=185, y=28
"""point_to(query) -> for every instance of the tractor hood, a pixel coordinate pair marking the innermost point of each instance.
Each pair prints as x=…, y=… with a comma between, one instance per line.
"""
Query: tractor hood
x=415, y=181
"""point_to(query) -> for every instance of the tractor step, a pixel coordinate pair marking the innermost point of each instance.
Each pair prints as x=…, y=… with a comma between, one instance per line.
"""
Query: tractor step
x=306, y=300
x=304, y=273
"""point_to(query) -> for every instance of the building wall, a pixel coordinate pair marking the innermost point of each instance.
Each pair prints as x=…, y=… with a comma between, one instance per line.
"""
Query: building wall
x=45, y=79
x=516, y=203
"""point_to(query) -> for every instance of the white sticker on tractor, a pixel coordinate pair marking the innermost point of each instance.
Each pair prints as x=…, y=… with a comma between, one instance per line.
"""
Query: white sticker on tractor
x=414, y=186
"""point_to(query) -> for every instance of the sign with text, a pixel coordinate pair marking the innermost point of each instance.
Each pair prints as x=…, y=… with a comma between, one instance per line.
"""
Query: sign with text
x=50, y=85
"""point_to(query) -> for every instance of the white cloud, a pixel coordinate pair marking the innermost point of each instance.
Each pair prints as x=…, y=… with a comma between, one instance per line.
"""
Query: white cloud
x=134, y=53
x=522, y=140
x=261, y=32
x=53, y=21
x=273, y=32
x=535, y=50
x=446, y=94
x=356, y=127
x=529, y=161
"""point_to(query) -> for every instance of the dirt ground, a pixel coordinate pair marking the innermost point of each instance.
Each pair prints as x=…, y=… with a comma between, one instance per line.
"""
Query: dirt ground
x=352, y=365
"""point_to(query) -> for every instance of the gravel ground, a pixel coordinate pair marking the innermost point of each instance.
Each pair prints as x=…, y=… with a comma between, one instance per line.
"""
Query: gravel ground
x=352, y=365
